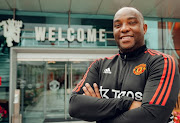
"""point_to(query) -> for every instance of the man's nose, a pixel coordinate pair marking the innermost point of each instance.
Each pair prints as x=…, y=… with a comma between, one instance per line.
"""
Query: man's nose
x=125, y=28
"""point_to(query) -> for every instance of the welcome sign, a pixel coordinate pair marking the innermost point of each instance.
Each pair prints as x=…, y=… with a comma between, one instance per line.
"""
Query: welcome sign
x=12, y=30
x=90, y=35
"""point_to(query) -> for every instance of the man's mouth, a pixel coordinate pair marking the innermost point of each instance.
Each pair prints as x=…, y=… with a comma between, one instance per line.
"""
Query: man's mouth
x=126, y=37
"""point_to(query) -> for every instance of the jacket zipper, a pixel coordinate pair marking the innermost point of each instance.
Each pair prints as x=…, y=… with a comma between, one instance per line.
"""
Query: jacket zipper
x=122, y=72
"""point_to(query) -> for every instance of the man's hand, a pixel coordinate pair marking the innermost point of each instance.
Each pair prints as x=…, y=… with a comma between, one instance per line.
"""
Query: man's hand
x=88, y=91
x=135, y=104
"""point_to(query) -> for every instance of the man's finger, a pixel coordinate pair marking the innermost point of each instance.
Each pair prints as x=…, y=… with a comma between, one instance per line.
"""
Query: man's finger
x=86, y=92
x=90, y=90
x=96, y=90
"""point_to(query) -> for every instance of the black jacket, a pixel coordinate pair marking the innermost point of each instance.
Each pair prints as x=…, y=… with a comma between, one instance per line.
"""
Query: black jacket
x=144, y=75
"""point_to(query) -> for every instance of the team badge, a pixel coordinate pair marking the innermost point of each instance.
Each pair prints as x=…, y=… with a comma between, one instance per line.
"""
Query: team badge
x=139, y=69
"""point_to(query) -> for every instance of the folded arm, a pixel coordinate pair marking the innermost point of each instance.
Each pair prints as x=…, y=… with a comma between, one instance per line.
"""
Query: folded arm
x=160, y=95
x=159, y=98
x=91, y=108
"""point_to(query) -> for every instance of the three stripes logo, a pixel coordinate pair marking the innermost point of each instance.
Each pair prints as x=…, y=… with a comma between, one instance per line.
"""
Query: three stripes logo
x=163, y=90
x=107, y=71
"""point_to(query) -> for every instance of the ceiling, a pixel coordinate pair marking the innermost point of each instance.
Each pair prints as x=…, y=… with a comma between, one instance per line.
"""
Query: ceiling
x=149, y=8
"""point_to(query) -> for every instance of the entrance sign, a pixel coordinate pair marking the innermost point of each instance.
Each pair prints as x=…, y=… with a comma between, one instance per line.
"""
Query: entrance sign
x=12, y=30
x=71, y=34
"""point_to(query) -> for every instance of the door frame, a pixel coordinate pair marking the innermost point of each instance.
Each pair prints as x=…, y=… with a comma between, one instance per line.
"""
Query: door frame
x=47, y=54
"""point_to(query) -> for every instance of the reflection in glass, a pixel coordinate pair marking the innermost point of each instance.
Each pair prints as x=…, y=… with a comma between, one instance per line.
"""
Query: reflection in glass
x=46, y=87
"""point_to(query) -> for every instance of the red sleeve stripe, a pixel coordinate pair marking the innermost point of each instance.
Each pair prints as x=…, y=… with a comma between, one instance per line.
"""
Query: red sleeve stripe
x=170, y=85
x=80, y=84
x=150, y=52
x=166, y=83
x=164, y=80
x=171, y=80
x=161, y=81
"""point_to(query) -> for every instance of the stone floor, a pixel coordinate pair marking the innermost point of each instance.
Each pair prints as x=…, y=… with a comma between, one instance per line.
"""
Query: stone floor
x=72, y=122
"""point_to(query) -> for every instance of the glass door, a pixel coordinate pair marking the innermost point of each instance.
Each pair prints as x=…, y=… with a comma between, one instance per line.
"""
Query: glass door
x=46, y=88
x=30, y=81
x=62, y=78
x=78, y=69
x=55, y=90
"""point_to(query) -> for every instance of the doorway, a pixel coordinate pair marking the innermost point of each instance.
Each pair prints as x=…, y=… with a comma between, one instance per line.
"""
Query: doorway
x=46, y=86
x=33, y=69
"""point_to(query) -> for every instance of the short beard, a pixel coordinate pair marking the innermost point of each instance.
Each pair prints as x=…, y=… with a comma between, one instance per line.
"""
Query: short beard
x=122, y=50
x=131, y=49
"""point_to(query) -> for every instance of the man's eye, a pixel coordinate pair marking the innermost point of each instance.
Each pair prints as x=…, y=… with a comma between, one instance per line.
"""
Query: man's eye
x=132, y=22
x=117, y=25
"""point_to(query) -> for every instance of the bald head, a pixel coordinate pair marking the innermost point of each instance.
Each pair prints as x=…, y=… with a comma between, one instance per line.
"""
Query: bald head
x=129, y=29
x=130, y=9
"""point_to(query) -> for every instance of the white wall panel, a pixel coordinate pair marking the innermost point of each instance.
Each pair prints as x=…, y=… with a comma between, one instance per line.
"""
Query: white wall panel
x=58, y=56
x=4, y=5
x=61, y=6
x=28, y=5
x=109, y=7
x=85, y=6
x=145, y=6
x=176, y=8
x=164, y=9
x=149, y=8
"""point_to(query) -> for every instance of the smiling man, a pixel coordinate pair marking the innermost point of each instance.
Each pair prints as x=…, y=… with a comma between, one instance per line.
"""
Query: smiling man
x=136, y=85
x=129, y=29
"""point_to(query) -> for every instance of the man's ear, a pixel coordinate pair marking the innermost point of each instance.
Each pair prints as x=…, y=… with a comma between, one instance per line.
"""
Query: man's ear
x=145, y=28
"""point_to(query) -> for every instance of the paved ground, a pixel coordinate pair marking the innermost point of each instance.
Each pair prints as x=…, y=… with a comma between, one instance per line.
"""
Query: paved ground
x=72, y=122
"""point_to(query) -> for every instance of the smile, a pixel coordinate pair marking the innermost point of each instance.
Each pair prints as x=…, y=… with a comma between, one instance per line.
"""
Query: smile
x=125, y=37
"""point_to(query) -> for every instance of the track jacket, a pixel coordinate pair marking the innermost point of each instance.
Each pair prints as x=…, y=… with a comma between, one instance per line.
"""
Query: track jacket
x=144, y=75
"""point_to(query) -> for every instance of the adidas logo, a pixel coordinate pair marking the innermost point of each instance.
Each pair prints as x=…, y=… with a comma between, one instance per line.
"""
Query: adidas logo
x=107, y=71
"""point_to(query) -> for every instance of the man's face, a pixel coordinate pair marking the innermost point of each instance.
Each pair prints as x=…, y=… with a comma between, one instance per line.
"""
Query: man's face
x=128, y=30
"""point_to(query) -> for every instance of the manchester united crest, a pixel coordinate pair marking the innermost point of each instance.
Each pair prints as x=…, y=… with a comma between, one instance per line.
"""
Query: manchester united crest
x=139, y=69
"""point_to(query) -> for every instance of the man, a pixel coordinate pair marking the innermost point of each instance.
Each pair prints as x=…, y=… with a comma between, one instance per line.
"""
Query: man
x=137, y=85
